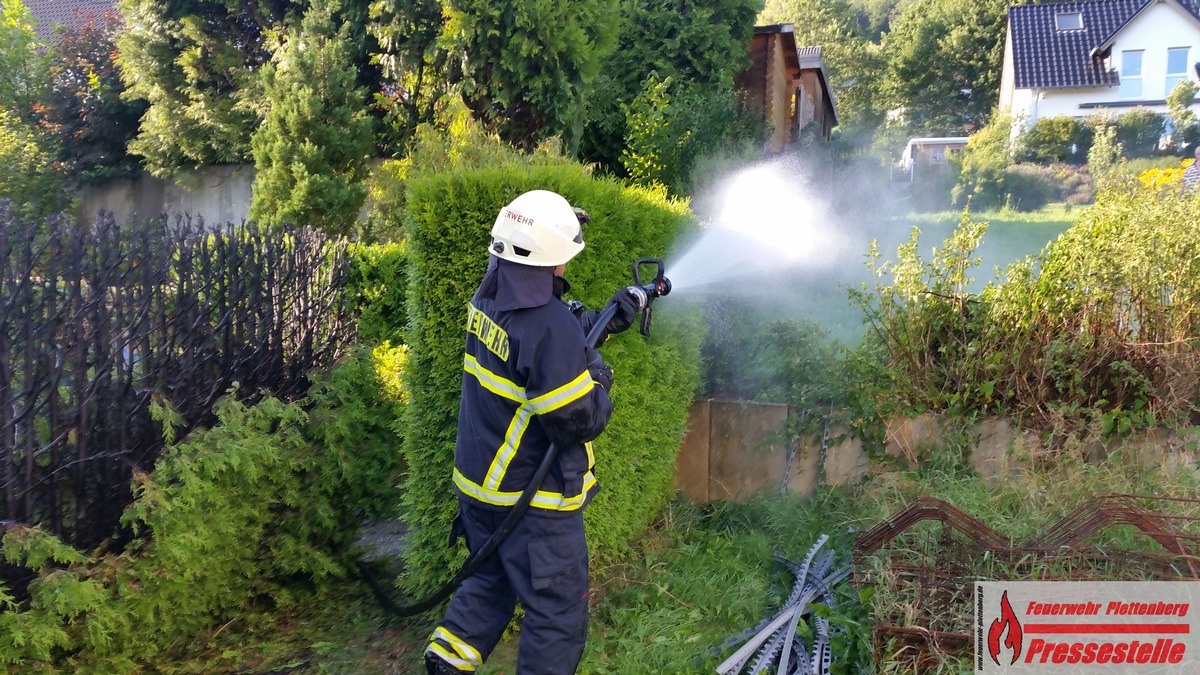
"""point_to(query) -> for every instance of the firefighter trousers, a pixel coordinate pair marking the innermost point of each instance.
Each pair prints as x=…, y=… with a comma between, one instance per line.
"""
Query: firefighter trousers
x=543, y=563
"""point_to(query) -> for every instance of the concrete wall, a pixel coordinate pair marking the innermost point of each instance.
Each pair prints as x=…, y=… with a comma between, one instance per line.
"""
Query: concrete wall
x=734, y=450
x=218, y=194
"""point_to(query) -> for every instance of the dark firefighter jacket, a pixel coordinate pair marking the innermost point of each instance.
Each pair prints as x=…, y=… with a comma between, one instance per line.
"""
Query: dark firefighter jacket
x=526, y=384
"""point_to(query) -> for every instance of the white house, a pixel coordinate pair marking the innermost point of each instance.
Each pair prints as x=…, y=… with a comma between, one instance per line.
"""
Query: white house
x=1078, y=58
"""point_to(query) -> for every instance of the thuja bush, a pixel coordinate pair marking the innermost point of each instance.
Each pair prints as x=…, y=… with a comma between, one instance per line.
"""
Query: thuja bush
x=234, y=520
x=220, y=515
x=1099, y=331
x=450, y=214
x=455, y=141
x=377, y=284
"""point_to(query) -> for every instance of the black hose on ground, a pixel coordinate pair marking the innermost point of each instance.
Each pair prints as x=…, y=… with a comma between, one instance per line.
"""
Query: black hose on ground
x=471, y=565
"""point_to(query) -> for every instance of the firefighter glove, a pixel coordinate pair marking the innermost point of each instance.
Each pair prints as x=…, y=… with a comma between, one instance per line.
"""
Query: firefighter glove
x=601, y=372
x=627, y=308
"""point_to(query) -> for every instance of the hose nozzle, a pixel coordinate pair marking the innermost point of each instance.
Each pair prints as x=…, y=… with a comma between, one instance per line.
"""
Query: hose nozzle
x=659, y=286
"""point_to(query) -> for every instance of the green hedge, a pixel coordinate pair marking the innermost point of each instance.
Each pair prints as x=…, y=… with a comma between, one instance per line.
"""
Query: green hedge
x=377, y=285
x=450, y=214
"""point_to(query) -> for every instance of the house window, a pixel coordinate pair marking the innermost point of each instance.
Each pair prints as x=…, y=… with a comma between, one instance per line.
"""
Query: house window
x=937, y=156
x=1177, y=59
x=1131, y=74
x=1069, y=20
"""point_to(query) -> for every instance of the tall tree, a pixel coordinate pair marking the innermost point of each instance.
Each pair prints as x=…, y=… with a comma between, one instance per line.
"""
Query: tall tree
x=197, y=62
x=697, y=45
x=311, y=152
x=526, y=64
x=944, y=61
x=83, y=108
x=414, y=65
x=23, y=61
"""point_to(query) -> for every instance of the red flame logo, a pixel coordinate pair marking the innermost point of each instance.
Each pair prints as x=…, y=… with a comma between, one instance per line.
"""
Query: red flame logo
x=1007, y=623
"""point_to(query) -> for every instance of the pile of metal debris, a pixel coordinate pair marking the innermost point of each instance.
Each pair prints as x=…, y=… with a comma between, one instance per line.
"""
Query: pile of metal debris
x=926, y=558
x=775, y=645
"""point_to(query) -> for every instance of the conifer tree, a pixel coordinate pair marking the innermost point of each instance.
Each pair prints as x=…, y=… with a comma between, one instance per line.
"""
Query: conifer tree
x=312, y=150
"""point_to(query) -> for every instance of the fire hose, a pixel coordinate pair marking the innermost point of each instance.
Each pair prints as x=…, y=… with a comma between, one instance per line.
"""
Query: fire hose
x=645, y=294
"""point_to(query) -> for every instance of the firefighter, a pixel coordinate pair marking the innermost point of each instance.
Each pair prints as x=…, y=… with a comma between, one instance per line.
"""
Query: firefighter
x=529, y=380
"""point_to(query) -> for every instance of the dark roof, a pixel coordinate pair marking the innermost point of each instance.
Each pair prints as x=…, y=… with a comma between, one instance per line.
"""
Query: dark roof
x=67, y=13
x=1045, y=57
x=775, y=28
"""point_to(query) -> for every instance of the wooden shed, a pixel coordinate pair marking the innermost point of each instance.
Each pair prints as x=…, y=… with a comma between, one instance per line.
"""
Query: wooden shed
x=787, y=86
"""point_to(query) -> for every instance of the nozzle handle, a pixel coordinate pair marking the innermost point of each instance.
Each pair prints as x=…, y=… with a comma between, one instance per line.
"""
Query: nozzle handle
x=660, y=270
x=646, y=320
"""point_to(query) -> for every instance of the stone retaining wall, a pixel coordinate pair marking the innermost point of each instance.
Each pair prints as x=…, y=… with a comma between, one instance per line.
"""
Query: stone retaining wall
x=736, y=449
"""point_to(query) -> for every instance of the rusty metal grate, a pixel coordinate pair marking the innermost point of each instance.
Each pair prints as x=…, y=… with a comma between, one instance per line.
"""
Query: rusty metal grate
x=924, y=560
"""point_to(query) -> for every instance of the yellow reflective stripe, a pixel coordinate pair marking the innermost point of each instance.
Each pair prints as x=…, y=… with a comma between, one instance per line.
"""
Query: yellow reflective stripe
x=512, y=440
x=563, y=395
x=590, y=455
x=460, y=645
x=453, y=660
x=551, y=501
x=493, y=382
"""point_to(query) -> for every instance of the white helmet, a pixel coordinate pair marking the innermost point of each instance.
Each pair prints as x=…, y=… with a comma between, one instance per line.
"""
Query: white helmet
x=538, y=228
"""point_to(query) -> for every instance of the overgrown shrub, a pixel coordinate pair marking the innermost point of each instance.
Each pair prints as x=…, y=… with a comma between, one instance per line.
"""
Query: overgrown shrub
x=1185, y=132
x=1114, y=308
x=1055, y=139
x=927, y=327
x=672, y=127
x=1029, y=188
x=217, y=519
x=1139, y=132
x=1098, y=330
x=357, y=425
x=29, y=175
x=450, y=215
x=1104, y=157
x=982, y=165
x=932, y=190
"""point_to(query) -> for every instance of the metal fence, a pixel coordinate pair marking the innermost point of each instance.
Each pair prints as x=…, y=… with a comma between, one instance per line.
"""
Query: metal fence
x=97, y=321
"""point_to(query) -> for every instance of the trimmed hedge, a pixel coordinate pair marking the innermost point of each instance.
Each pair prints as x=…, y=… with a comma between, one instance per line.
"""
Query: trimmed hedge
x=450, y=214
x=376, y=289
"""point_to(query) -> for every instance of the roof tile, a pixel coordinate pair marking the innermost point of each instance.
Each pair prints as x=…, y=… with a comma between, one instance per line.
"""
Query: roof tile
x=1045, y=57
x=66, y=13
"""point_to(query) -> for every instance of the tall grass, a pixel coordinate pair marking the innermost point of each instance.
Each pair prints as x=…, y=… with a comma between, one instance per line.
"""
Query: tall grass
x=706, y=572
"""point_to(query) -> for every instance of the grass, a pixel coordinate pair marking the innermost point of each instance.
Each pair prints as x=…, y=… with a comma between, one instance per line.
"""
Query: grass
x=704, y=573
x=1011, y=236
x=822, y=295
